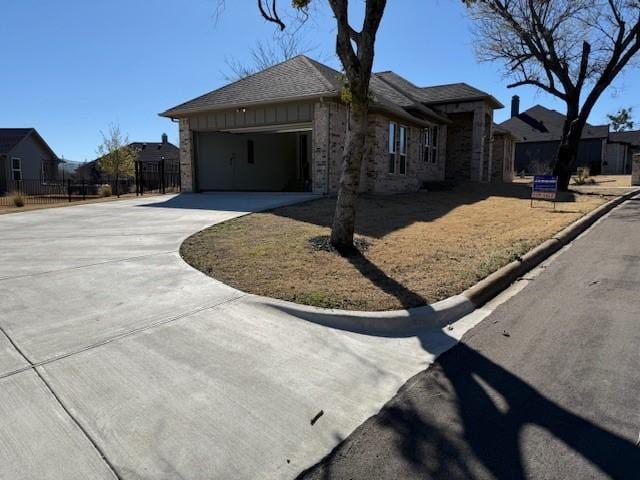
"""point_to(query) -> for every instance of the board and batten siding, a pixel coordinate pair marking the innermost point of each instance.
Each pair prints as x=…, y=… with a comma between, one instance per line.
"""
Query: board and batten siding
x=267, y=115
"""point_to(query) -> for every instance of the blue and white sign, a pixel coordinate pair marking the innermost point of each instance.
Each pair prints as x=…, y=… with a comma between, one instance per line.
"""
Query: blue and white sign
x=545, y=187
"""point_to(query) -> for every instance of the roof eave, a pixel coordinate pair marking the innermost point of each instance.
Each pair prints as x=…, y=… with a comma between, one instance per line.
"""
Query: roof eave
x=185, y=112
x=488, y=98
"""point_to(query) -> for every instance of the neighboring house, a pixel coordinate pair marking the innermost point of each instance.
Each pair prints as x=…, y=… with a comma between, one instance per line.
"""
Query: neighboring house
x=25, y=157
x=540, y=130
x=148, y=154
x=283, y=129
x=620, y=150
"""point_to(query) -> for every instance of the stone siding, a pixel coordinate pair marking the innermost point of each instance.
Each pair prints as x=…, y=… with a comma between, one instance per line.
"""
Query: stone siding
x=187, y=177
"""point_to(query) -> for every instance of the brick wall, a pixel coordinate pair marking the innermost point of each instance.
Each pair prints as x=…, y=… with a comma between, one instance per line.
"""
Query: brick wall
x=329, y=132
x=459, y=147
x=186, y=156
x=635, y=170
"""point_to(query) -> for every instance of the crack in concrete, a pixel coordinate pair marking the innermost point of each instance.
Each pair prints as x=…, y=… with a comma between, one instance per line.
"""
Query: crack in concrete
x=48, y=361
x=63, y=406
x=77, y=267
x=36, y=366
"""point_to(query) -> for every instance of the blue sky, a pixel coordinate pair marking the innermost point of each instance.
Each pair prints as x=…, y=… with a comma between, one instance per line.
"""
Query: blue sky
x=72, y=67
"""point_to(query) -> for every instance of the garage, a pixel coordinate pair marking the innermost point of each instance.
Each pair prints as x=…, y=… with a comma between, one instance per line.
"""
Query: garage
x=269, y=161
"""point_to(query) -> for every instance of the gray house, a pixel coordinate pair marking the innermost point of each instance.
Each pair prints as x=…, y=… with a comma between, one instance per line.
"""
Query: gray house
x=620, y=149
x=540, y=130
x=25, y=157
x=283, y=129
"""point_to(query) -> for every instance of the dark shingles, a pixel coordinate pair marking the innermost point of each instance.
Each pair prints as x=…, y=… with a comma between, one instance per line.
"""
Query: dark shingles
x=455, y=92
x=295, y=78
x=154, y=152
x=540, y=124
x=632, y=137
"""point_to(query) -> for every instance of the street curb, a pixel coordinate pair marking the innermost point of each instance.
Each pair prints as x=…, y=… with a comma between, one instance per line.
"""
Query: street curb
x=486, y=289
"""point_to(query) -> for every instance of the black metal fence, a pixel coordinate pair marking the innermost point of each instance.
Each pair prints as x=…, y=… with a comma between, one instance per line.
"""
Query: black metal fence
x=150, y=177
x=157, y=177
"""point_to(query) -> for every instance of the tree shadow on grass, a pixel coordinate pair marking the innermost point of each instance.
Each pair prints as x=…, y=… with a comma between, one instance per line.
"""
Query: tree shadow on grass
x=378, y=215
x=407, y=297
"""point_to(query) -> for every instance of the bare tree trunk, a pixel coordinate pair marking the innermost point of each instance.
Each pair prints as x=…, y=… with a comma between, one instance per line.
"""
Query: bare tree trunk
x=567, y=156
x=343, y=227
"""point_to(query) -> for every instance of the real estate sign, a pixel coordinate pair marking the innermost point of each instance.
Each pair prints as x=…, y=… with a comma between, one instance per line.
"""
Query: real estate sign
x=545, y=187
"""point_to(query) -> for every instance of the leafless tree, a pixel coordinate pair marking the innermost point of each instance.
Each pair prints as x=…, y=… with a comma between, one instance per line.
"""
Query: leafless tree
x=355, y=49
x=266, y=54
x=571, y=49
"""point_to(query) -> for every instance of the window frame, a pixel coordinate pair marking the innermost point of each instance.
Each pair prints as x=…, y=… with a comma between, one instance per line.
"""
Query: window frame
x=18, y=169
x=403, y=148
x=435, y=131
x=392, y=147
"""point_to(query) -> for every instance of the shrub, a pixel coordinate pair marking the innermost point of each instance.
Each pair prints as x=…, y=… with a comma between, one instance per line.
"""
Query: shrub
x=18, y=199
x=105, y=190
x=583, y=176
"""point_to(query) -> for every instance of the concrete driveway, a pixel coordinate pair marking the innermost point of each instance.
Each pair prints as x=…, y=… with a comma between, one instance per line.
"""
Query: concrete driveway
x=118, y=360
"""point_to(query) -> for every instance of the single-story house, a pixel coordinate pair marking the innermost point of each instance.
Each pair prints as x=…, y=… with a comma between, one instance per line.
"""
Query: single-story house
x=620, y=150
x=148, y=155
x=25, y=157
x=283, y=129
x=540, y=130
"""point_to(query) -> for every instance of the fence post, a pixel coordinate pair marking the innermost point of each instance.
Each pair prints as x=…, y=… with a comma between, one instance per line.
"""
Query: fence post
x=162, y=184
x=69, y=188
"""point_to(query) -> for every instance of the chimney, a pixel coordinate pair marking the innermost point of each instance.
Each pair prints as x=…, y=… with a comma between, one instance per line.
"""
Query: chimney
x=515, y=106
x=165, y=139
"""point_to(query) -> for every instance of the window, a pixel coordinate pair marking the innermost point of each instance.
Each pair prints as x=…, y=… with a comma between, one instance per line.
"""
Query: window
x=393, y=139
x=16, y=169
x=403, y=150
x=250, y=152
x=434, y=144
x=430, y=145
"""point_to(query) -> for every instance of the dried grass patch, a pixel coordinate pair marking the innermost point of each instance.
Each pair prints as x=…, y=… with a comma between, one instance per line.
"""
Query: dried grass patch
x=422, y=247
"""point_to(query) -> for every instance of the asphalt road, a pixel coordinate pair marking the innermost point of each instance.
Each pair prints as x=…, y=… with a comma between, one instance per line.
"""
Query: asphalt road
x=547, y=387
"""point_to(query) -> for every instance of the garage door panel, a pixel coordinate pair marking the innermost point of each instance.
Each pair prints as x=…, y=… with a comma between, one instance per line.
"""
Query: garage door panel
x=223, y=162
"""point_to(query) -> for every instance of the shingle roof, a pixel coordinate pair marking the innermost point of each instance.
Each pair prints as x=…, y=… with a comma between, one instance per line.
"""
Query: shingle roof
x=540, y=124
x=298, y=77
x=455, y=92
x=10, y=137
x=500, y=130
x=631, y=137
x=154, y=151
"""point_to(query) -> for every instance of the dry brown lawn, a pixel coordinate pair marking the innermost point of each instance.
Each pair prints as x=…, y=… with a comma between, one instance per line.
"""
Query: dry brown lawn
x=423, y=247
x=611, y=181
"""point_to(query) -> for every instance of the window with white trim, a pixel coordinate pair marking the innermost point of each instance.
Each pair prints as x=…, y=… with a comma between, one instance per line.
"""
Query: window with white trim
x=403, y=150
x=430, y=145
x=393, y=139
x=16, y=169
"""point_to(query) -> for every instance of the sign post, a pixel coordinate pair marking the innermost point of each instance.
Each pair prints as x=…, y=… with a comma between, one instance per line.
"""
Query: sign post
x=545, y=187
